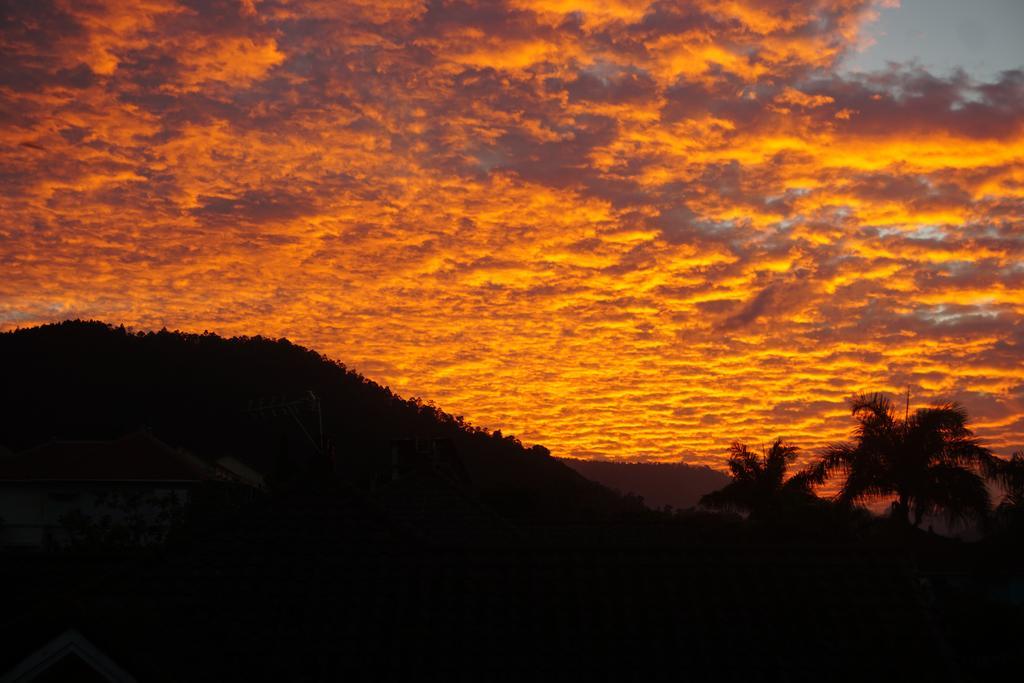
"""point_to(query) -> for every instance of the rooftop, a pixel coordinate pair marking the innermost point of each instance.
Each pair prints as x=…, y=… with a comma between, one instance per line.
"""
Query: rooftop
x=137, y=457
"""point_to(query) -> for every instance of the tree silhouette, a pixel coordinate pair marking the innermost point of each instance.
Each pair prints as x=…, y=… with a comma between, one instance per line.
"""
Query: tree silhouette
x=1011, y=509
x=929, y=461
x=759, y=485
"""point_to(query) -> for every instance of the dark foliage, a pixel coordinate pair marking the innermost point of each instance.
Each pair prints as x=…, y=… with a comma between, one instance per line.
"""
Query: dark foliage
x=1009, y=515
x=759, y=484
x=928, y=461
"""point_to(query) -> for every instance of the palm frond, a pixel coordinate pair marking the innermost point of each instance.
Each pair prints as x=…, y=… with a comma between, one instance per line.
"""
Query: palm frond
x=872, y=411
x=955, y=492
x=759, y=484
x=743, y=464
x=799, y=485
x=948, y=420
x=865, y=483
x=1010, y=473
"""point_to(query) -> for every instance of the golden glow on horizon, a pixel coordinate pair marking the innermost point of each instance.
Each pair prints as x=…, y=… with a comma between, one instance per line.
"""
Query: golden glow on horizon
x=610, y=227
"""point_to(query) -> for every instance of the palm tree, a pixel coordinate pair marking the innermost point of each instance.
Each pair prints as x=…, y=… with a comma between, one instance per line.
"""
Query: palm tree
x=759, y=485
x=929, y=461
x=1011, y=509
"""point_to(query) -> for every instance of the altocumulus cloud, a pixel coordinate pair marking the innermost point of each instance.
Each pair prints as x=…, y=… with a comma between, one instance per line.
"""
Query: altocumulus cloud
x=574, y=221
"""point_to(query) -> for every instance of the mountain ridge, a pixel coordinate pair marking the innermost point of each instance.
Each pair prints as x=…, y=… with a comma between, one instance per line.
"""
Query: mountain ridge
x=676, y=485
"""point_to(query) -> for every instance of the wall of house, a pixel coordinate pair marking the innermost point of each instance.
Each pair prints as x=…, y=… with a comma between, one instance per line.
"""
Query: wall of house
x=21, y=515
x=41, y=516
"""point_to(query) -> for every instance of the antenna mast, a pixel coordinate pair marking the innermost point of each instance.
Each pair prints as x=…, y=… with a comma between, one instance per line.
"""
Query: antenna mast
x=285, y=406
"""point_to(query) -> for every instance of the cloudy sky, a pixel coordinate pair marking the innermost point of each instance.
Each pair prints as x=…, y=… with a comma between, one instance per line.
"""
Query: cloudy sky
x=619, y=228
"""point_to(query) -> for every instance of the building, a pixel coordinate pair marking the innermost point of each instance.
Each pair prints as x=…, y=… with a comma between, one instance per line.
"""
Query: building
x=59, y=491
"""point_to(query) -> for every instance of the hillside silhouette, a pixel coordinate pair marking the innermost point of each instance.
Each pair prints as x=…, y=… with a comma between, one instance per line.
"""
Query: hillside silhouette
x=384, y=539
x=660, y=484
x=237, y=397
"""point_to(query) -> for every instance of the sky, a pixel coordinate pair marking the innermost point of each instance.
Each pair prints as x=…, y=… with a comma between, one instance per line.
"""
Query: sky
x=980, y=37
x=623, y=229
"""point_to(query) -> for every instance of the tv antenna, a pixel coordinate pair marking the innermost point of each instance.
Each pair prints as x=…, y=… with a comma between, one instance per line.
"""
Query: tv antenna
x=283, y=406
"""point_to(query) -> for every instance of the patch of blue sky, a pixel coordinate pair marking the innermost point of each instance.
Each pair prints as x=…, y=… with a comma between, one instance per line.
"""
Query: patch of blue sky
x=980, y=37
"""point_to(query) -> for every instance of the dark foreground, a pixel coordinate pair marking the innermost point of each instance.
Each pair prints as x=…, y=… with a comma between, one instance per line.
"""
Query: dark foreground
x=477, y=559
x=320, y=585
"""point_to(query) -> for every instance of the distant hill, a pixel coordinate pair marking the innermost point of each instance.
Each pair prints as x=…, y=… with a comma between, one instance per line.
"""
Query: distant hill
x=660, y=484
x=198, y=391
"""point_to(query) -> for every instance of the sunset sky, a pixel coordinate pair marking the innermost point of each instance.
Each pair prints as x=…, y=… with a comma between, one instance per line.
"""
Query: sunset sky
x=618, y=228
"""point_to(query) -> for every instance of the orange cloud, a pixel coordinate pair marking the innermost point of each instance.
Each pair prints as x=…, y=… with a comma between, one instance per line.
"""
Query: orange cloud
x=620, y=229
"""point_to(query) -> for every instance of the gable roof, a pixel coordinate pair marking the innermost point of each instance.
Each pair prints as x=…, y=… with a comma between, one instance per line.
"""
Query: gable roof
x=69, y=644
x=137, y=457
